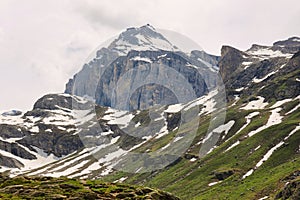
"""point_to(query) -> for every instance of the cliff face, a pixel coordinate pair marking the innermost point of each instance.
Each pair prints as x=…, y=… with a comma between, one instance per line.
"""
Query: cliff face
x=149, y=67
x=261, y=70
x=84, y=83
x=230, y=60
x=148, y=78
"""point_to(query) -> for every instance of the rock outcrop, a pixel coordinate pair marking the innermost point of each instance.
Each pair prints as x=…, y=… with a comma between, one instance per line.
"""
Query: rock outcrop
x=248, y=72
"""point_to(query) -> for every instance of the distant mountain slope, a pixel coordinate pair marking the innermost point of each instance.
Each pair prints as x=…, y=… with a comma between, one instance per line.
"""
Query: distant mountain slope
x=268, y=71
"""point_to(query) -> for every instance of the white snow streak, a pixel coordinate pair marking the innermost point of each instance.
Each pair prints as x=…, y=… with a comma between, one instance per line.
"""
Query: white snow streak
x=268, y=154
x=256, y=104
x=214, y=183
x=274, y=119
x=144, y=59
x=258, y=80
x=174, y=108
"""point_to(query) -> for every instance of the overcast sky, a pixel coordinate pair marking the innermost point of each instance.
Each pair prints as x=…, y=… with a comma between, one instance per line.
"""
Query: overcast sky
x=44, y=42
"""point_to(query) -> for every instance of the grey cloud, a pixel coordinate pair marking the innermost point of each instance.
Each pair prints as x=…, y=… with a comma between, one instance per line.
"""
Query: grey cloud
x=106, y=16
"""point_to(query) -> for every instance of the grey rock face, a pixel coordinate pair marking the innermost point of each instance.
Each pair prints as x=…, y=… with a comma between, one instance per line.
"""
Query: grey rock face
x=84, y=83
x=57, y=101
x=98, y=77
x=264, y=64
x=10, y=162
x=282, y=89
x=58, y=143
x=11, y=131
x=162, y=70
x=16, y=150
x=151, y=95
x=291, y=45
x=53, y=118
x=230, y=60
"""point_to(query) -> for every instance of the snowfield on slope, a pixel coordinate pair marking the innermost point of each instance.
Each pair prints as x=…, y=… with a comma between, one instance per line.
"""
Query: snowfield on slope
x=256, y=104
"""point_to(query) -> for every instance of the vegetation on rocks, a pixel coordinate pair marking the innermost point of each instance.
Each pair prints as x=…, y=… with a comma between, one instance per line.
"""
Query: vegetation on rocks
x=23, y=187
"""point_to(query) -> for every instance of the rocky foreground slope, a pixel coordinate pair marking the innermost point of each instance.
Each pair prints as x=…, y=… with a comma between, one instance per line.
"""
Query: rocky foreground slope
x=63, y=188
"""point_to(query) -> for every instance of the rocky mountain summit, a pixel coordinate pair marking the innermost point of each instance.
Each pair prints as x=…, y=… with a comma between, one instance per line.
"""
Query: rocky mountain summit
x=143, y=55
x=246, y=147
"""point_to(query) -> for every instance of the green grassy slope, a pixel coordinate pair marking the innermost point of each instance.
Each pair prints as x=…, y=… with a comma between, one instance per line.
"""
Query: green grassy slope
x=190, y=180
x=64, y=188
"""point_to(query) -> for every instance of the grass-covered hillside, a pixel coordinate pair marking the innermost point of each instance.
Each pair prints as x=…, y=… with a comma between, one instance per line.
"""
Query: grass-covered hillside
x=256, y=159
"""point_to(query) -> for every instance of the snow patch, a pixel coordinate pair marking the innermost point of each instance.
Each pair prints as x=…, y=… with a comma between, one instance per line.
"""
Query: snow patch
x=248, y=120
x=137, y=124
x=122, y=46
x=268, y=154
x=214, y=183
x=42, y=159
x=144, y=59
x=233, y=145
x=292, y=132
x=256, y=104
x=280, y=103
x=258, y=147
x=263, y=198
x=162, y=56
x=122, y=121
x=296, y=39
x=247, y=64
x=122, y=118
x=248, y=173
x=69, y=170
x=275, y=118
x=205, y=100
x=282, y=66
x=265, y=53
x=34, y=129
x=265, y=158
x=174, y=108
x=190, y=65
x=239, y=89
x=295, y=108
x=223, y=128
x=257, y=80
x=10, y=140
x=122, y=179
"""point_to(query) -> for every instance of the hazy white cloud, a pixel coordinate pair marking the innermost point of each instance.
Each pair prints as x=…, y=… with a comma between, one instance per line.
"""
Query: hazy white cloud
x=43, y=43
x=107, y=14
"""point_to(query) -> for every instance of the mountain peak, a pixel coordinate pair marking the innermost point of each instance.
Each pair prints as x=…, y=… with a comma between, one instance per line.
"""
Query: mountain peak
x=292, y=41
x=145, y=27
x=141, y=39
